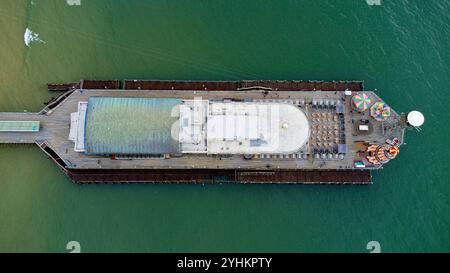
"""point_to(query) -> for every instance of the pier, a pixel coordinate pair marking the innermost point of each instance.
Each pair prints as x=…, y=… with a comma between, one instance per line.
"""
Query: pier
x=312, y=165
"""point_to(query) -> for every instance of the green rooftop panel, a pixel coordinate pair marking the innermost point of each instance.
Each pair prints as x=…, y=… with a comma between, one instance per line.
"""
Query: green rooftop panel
x=122, y=125
x=19, y=126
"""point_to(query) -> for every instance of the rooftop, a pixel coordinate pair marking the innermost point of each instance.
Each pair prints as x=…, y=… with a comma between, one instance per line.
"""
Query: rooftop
x=124, y=125
x=256, y=128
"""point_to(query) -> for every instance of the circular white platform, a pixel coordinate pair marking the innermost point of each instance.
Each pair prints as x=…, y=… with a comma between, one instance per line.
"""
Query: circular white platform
x=415, y=118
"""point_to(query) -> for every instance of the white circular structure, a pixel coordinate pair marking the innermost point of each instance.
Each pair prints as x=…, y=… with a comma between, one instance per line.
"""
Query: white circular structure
x=294, y=136
x=415, y=118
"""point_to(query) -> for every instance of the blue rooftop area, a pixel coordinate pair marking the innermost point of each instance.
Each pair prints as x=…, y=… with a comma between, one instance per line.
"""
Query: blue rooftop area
x=125, y=125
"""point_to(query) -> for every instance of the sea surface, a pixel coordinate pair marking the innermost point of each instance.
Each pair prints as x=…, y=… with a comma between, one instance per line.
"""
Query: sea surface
x=400, y=48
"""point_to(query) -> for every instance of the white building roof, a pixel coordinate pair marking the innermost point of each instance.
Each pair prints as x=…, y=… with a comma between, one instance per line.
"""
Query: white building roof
x=77, y=128
x=192, y=133
x=242, y=127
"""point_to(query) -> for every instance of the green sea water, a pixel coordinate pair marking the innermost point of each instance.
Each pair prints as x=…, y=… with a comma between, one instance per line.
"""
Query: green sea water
x=401, y=48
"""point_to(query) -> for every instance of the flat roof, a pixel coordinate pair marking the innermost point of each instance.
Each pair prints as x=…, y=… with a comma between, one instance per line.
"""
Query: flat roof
x=242, y=127
x=256, y=128
x=77, y=126
x=19, y=126
x=125, y=125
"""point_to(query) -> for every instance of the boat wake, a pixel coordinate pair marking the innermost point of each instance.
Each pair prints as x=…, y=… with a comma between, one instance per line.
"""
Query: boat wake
x=30, y=37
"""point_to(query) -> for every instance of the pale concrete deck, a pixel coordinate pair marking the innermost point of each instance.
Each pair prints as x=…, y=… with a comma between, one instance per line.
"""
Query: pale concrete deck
x=55, y=127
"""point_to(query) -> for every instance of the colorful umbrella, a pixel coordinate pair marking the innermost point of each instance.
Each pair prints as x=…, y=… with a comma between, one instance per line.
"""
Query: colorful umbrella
x=361, y=101
x=380, y=111
x=393, y=151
